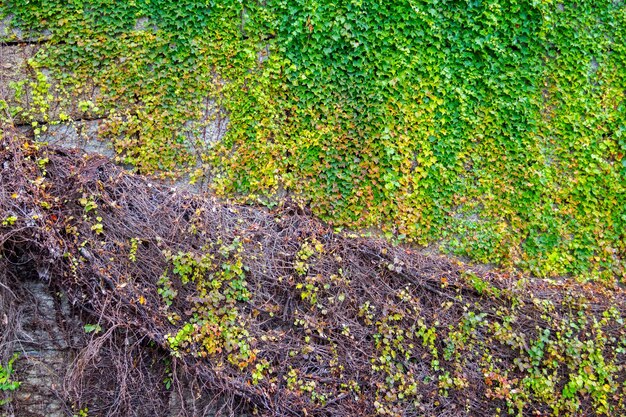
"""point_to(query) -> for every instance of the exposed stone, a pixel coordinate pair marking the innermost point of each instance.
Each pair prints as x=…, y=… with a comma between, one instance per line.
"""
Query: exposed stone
x=47, y=349
x=8, y=33
x=81, y=134
x=12, y=68
x=215, y=123
x=11, y=34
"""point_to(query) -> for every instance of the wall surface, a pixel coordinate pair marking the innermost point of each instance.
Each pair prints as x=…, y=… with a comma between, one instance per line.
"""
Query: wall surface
x=45, y=354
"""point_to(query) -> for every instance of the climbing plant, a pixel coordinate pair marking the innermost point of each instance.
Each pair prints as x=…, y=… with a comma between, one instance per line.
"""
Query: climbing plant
x=493, y=129
x=8, y=383
x=277, y=309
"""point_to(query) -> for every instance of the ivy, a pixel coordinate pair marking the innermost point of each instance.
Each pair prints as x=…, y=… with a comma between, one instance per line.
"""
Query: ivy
x=494, y=129
x=213, y=325
x=8, y=383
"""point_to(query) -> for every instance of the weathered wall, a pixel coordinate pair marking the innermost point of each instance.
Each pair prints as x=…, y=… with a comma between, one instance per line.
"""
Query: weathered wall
x=15, y=51
x=45, y=353
x=82, y=131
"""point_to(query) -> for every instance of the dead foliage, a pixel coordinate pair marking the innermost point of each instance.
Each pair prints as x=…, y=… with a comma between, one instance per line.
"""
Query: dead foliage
x=336, y=325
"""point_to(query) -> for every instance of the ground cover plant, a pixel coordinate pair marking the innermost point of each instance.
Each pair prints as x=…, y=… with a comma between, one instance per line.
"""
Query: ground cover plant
x=493, y=129
x=275, y=314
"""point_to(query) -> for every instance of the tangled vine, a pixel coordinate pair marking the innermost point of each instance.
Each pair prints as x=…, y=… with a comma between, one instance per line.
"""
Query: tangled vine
x=274, y=313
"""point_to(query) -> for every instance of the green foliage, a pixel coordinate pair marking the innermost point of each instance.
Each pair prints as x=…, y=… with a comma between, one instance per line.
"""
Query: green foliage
x=333, y=324
x=7, y=383
x=495, y=128
x=92, y=328
x=9, y=221
x=213, y=324
x=554, y=367
x=83, y=412
x=153, y=62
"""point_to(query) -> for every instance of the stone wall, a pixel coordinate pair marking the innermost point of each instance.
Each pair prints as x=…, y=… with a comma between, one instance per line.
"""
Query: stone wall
x=44, y=348
x=82, y=131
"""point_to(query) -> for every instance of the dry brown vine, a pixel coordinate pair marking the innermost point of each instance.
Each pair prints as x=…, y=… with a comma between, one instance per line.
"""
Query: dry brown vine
x=329, y=344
